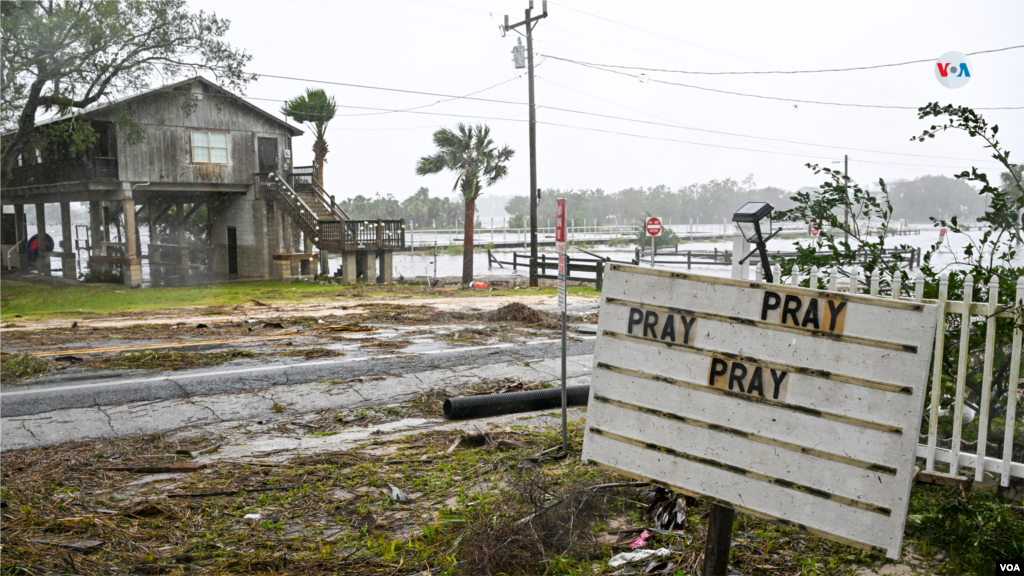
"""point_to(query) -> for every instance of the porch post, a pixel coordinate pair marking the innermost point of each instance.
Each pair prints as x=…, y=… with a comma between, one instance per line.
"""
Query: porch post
x=43, y=258
x=133, y=266
x=67, y=258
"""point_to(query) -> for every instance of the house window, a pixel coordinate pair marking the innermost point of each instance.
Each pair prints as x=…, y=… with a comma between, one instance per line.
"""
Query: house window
x=209, y=147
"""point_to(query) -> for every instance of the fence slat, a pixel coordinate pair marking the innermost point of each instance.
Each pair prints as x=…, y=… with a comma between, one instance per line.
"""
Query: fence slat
x=940, y=334
x=1011, y=395
x=919, y=288
x=897, y=284
x=961, y=374
x=833, y=279
x=876, y=281
x=812, y=280
x=794, y=277
x=986, y=378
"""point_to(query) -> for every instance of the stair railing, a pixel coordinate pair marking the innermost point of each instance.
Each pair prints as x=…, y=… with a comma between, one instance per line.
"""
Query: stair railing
x=307, y=175
x=307, y=218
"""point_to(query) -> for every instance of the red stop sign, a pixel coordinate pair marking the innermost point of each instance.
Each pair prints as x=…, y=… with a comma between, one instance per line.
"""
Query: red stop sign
x=653, y=226
x=814, y=228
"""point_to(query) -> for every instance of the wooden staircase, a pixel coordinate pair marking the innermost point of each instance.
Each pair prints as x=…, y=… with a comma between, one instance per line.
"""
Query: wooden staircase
x=324, y=222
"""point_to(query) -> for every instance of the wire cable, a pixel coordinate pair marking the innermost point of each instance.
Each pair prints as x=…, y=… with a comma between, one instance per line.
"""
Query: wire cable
x=746, y=72
x=760, y=96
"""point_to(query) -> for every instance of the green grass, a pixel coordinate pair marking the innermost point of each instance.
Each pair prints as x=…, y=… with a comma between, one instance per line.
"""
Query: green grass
x=37, y=300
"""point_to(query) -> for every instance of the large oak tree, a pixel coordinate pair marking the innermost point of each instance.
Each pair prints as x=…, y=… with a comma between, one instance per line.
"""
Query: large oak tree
x=61, y=56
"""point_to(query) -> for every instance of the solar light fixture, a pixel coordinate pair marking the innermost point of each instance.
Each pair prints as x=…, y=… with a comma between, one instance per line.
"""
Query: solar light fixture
x=751, y=218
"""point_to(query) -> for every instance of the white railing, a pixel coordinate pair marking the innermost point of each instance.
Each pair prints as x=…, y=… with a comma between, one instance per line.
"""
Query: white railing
x=930, y=451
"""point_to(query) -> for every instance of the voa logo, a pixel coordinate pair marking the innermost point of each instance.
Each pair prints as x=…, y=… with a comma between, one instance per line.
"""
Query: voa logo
x=1010, y=567
x=953, y=70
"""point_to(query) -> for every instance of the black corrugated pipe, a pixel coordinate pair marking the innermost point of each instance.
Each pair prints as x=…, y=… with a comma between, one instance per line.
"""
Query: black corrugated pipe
x=483, y=405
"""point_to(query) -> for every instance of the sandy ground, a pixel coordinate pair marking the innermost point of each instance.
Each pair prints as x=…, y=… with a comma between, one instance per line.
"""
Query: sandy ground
x=171, y=316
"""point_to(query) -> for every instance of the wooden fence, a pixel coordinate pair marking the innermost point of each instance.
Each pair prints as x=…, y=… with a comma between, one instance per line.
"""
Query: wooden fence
x=955, y=449
x=575, y=264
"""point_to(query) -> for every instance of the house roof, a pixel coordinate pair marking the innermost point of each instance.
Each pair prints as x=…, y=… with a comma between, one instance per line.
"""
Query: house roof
x=293, y=130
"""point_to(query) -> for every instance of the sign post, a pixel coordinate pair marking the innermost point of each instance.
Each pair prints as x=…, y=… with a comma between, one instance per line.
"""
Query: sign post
x=653, y=227
x=791, y=404
x=560, y=248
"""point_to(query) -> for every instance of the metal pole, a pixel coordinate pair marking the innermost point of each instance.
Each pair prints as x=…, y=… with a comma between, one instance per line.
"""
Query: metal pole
x=652, y=251
x=565, y=393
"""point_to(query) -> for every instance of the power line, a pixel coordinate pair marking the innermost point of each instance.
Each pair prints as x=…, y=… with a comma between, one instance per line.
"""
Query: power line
x=680, y=127
x=759, y=96
x=606, y=116
x=367, y=87
x=778, y=71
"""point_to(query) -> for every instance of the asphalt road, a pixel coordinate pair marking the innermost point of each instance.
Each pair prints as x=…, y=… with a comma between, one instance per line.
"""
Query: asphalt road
x=119, y=387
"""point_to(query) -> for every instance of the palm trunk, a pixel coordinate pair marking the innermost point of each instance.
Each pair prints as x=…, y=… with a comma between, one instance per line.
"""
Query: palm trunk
x=319, y=159
x=467, y=243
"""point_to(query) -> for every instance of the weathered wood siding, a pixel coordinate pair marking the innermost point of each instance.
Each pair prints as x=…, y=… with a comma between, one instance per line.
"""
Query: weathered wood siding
x=165, y=155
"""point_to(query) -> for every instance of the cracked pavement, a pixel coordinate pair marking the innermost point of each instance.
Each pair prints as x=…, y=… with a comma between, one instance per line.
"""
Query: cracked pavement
x=55, y=412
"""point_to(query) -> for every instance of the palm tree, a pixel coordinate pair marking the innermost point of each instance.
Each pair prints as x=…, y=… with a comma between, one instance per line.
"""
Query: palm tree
x=315, y=108
x=470, y=153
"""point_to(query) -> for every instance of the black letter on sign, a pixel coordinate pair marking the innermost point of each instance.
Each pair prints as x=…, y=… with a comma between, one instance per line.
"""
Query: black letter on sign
x=771, y=302
x=811, y=316
x=636, y=316
x=778, y=377
x=736, y=375
x=790, y=308
x=670, y=328
x=650, y=323
x=687, y=324
x=833, y=312
x=755, y=383
x=718, y=368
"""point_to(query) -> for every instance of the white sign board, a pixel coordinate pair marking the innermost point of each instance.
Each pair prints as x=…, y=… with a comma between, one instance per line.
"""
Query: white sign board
x=796, y=405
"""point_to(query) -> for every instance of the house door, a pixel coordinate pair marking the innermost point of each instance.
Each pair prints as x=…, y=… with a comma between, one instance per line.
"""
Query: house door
x=267, y=155
x=232, y=252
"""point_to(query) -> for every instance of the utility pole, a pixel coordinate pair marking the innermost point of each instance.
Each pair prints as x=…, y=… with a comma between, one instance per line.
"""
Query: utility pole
x=528, y=24
x=846, y=209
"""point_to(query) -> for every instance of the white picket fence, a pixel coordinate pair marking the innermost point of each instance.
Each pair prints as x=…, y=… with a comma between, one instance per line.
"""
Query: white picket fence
x=1005, y=467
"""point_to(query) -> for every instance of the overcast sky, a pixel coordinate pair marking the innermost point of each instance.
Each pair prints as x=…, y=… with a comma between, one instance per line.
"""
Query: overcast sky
x=455, y=48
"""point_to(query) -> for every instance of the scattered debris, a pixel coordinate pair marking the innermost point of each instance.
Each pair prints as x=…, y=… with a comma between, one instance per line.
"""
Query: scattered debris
x=251, y=518
x=666, y=509
x=385, y=344
x=17, y=367
x=397, y=494
x=519, y=312
x=350, y=327
x=72, y=543
x=155, y=468
x=310, y=353
x=231, y=492
x=198, y=453
x=161, y=568
x=639, y=555
x=257, y=302
x=641, y=540
x=168, y=359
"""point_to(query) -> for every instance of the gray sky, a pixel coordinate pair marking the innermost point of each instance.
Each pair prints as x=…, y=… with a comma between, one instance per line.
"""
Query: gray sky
x=453, y=47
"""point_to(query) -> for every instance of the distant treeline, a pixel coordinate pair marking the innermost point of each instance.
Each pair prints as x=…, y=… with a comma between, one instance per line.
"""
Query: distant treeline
x=710, y=202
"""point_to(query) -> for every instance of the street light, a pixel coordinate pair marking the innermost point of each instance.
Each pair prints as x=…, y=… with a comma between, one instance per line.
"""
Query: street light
x=749, y=218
